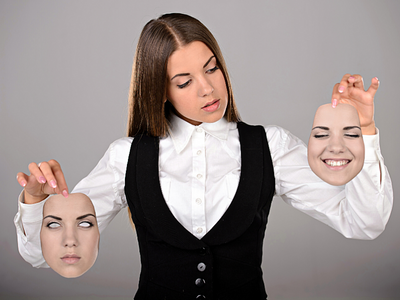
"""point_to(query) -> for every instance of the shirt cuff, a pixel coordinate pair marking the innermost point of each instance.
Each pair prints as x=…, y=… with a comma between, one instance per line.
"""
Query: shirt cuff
x=372, y=148
x=30, y=213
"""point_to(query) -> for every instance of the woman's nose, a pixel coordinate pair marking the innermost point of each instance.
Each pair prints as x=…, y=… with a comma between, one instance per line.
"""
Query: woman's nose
x=205, y=88
x=70, y=238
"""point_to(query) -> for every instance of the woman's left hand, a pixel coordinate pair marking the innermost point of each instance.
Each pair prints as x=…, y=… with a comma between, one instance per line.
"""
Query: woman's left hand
x=351, y=91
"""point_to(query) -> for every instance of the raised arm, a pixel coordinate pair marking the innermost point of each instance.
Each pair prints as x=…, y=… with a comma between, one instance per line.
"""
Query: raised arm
x=359, y=209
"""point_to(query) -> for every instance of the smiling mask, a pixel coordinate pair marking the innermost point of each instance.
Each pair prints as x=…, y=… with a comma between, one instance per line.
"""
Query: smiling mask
x=336, y=147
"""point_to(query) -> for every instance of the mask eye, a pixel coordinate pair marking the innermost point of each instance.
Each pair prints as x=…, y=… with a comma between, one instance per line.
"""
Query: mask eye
x=85, y=224
x=352, y=135
x=53, y=225
x=320, y=136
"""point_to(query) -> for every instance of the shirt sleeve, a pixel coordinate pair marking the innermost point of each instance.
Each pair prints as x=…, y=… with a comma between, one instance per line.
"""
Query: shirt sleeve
x=359, y=209
x=104, y=186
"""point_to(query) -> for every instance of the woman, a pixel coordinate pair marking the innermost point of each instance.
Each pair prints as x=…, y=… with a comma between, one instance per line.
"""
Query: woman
x=198, y=182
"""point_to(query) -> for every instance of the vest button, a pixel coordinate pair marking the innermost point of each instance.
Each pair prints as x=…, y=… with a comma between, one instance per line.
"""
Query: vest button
x=201, y=297
x=203, y=251
x=201, y=267
x=200, y=282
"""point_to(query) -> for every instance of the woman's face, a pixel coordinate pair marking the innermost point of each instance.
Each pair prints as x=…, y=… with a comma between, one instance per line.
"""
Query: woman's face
x=336, y=147
x=196, y=86
x=69, y=234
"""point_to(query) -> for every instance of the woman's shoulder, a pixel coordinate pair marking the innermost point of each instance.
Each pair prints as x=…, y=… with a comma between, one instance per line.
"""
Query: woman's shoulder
x=120, y=149
x=122, y=142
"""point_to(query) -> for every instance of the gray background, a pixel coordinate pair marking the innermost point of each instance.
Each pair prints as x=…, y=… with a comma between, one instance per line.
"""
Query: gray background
x=64, y=77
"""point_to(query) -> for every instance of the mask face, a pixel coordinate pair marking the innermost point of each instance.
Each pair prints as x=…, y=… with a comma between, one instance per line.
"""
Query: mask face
x=336, y=147
x=69, y=235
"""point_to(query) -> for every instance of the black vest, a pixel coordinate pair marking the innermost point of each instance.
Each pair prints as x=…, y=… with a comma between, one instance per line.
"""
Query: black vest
x=226, y=262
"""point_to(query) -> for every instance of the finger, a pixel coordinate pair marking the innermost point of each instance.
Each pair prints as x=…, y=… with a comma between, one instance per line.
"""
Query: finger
x=335, y=95
x=47, y=171
x=59, y=175
x=342, y=88
x=37, y=173
x=357, y=81
x=373, y=87
x=22, y=179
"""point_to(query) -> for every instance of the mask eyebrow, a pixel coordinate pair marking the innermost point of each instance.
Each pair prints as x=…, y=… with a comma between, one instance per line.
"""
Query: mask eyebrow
x=187, y=74
x=84, y=216
x=351, y=127
x=321, y=127
x=54, y=217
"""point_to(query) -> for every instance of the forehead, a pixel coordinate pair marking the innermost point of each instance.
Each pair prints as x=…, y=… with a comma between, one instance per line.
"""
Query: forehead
x=73, y=206
x=341, y=115
x=193, y=54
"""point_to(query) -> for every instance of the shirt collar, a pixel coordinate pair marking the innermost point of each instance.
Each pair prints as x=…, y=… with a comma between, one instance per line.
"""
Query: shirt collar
x=181, y=131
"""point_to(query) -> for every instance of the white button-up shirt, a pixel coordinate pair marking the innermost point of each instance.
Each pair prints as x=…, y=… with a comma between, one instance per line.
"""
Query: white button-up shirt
x=199, y=171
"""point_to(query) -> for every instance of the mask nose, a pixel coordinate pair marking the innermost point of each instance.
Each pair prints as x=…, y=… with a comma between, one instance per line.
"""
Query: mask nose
x=336, y=145
x=70, y=238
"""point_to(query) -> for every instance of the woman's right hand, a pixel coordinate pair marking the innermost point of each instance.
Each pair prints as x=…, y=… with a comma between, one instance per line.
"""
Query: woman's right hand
x=46, y=178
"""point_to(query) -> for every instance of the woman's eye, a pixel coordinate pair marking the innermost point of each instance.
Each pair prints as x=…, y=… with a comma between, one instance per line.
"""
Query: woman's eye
x=181, y=86
x=53, y=225
x=212, y=70
x=85, y=224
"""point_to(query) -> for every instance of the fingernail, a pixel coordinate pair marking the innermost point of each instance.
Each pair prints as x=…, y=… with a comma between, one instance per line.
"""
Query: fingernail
x=53, y=184
x=376, y=78
x=351, y=77
x=334, y=103
x=65, y=193
x=23, y=183
x=341, y=89
x=42, y=179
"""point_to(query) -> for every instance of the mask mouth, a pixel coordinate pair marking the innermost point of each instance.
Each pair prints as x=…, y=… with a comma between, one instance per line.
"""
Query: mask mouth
x=71, y=256
x=337, y=162
x=70, y=259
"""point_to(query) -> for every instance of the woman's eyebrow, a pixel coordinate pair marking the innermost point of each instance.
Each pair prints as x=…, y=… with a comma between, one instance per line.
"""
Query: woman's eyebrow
x=321, y=127
x=187, y=74
x=54, y=217
x=208, y=61
x=351, y=127
x=84, y=216
x=181, y=74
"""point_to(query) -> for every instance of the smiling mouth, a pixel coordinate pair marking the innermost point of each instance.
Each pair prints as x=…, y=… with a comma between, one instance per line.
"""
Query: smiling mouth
x=336, y=163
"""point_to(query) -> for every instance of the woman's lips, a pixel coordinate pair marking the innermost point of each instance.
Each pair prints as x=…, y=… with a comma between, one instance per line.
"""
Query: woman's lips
x=336, y=164
x=70, y=259
x=211, y=106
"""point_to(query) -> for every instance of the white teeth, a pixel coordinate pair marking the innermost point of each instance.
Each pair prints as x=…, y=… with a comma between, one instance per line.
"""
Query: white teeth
x=336, y=163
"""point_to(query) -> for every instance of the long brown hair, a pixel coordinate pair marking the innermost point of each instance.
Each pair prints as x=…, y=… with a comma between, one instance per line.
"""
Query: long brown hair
x=148, y=110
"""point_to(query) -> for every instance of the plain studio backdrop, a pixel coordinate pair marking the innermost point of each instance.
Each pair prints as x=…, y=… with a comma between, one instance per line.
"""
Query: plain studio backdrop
x=65, y=68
